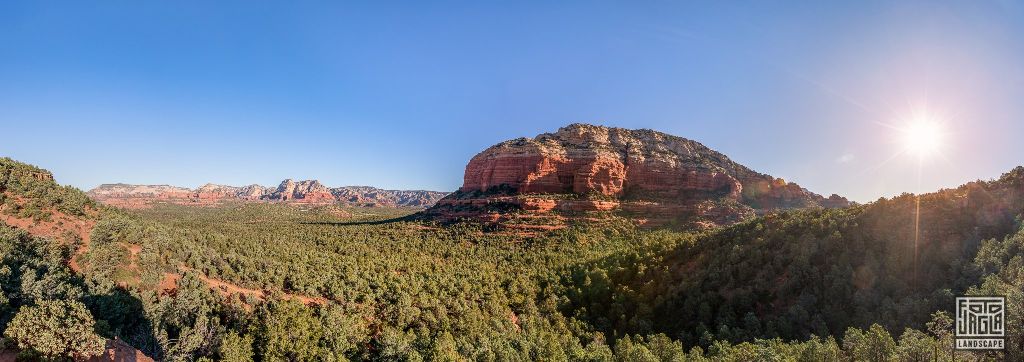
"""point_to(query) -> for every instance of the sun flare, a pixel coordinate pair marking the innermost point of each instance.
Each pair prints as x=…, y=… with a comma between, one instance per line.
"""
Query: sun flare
x=923, y=137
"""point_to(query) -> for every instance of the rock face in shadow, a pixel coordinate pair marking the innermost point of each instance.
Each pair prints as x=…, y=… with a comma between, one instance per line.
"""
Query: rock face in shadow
x=650, y=177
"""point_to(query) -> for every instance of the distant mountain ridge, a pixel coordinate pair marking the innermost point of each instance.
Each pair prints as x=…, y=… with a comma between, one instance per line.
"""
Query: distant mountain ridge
x=288, y=191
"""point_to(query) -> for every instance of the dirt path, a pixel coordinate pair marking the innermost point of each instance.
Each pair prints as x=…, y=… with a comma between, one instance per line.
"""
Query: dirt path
x=60, y=223
x=226, y=288
x=58, y=226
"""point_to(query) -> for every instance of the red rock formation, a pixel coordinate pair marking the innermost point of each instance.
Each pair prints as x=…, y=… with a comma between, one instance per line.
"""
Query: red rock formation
x=117, y=350
x=251, y=193
x=309, y=191
x=211, y=193
x=643, y=174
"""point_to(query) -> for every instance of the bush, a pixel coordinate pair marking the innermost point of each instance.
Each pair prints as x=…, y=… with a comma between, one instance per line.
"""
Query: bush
x=55, y=329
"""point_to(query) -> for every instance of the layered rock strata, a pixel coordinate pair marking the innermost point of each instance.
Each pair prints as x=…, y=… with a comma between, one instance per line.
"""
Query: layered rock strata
x=650, y=177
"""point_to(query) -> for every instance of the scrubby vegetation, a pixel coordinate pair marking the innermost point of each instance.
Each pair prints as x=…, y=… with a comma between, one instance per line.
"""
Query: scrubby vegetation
x=273, y=282
x=56, y=328
x=29, y=191
x=815, y=272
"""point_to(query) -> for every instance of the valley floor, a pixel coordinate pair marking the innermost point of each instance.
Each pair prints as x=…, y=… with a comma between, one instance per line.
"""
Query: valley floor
x=280, y=282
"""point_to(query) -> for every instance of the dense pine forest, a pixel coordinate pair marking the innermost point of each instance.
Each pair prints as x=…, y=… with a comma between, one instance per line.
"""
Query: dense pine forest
x=267, y=282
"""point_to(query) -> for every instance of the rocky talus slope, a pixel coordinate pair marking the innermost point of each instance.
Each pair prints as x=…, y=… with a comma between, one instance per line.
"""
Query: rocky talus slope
x=584, y=172
x=289, y=191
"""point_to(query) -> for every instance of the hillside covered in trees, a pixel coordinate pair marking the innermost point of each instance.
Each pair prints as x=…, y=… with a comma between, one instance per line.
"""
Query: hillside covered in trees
x=278, y=283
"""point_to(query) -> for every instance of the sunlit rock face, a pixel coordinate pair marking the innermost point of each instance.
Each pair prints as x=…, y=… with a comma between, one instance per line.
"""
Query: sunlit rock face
x=650, y=177
x=311, y=191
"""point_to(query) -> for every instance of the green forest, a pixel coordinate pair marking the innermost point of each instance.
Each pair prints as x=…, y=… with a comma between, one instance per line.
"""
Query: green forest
x=267, y=282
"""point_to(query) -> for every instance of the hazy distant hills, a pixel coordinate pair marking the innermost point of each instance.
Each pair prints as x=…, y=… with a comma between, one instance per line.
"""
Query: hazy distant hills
x=581, y=172
x=289, y=191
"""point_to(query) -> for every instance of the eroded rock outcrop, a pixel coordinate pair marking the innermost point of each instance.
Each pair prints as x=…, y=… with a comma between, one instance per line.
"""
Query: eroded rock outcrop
x=308, y=191
x=651, y=177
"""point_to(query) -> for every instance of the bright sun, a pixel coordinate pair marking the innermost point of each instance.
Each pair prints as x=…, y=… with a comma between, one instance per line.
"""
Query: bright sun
x=923, y=137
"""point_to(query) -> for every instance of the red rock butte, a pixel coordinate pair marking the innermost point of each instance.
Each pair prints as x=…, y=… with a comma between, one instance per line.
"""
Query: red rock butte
x=584, y=171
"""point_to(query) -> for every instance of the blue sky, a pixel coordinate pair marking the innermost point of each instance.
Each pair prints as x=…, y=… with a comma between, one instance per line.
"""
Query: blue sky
x=403, y=94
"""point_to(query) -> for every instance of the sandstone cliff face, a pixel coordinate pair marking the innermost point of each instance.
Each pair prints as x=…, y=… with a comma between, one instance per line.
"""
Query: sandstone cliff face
x=289, y=191
x=309, y=191
x=215, y=192
x=651, y=177
x=251, y=192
